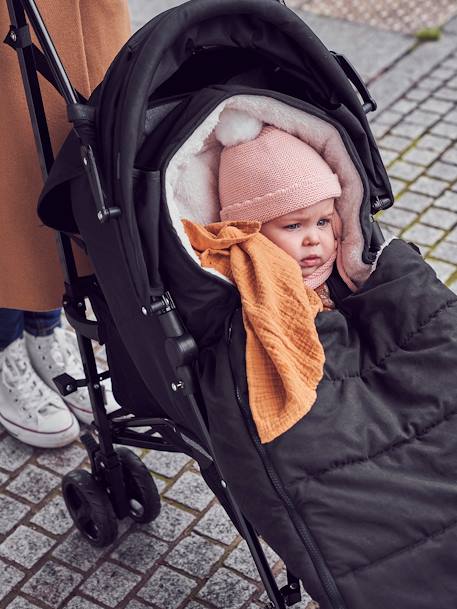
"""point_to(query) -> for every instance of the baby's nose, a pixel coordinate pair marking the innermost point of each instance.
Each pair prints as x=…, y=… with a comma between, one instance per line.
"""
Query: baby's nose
x=311, y=238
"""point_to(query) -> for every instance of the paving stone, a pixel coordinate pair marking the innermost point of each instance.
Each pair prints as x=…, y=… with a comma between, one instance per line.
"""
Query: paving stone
x=452, y=236
x=11, y=512
x=52, y=584
x=379, y=130
x=417, y=94
x=409, y=130
x=217, y=525
x=404, y=106
x=450, y=156
x=139, y=551
x=241, y=560
x=429, y=186
x=430, y=83
x=443, y=72
x=441, y=218
x=9, y=577
x=166, y=588
x=443, y=171
x=21, y=603
x=445, y=129
x=63, y=460
x=77, y=602
x=398, y=217
x=388, y=117
x=405, y=171
x=13, y=454
x=110, y=584
x=453, y=287
x=165, y=463
x=3, y=478
x=446, y=251
x=194, y=605
x=171, y=522
x=395, y=142
x=434, y=142
x=306, y=601
x=54, y=517
x=451, y=117
x=388, y=155
x=33, y=483
x=445, y=93
x=136, y=605
x=78, y=552
x=413, y=201
x=25, y=546
x=226, y=590
x=442, y=269
x=389, y=231
x=448, y=200
x=424, y=235
x=195, y=555
x=438, y=106
x=191, y=490
x=421, y=156
x=398, y=186
x=426, y=119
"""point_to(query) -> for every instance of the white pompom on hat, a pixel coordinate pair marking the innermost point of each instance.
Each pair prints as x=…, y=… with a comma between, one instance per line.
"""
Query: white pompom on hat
x=265, y=173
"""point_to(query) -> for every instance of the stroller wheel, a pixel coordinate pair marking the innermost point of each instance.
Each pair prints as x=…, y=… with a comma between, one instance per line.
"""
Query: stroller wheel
x=90, y=507
x=142, y=493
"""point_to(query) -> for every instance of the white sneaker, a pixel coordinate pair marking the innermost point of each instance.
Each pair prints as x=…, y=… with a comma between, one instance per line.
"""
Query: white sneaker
x=58, y=353
x=29, y=410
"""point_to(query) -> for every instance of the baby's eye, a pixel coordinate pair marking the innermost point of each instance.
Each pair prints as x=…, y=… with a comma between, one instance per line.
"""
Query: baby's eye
x=292, y=226
x=323, y=222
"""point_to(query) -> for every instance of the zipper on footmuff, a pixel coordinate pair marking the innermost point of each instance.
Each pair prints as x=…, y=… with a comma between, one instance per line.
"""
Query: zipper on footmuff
x=314, y=553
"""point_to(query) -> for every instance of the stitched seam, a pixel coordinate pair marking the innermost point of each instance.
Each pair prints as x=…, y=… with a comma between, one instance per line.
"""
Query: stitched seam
x=402, y=345
x=412, y=546
x=418, y=435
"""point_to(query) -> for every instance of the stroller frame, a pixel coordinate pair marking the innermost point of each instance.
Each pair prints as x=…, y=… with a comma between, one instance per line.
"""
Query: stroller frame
x=117, y=428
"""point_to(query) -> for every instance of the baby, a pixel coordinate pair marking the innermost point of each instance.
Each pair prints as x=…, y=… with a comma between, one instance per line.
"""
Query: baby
x=275, y=178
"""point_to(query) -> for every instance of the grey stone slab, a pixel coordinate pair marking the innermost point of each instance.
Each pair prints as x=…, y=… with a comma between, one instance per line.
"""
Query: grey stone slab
x=136, y=605
x=395, y=82
x=436, y=106
x=353, y=40
x=429, y=186
x=452, y=236
x=410, y=130
x=422, y=117
x=443, y=171
x=54, y=517
x=445, y=93
x=404, y=106
x=451, y=117
x=379, y=130
x=421, y=156
x=434, y=142
x=25, y=546
x=430, y=83
x=398, y=186
x=139, y=551
x=52, y=584
x=3, y=478
x=446, y=251
x=405, y=171
x=395, y=142
x=33, y=483
x=217, y=525
x=413, y=201
x=190, y=490
x=195, y=555
x=417, y=94
x=445, y=129
x=227, y=590
x=443, y=270
x=167, y=589
x=13, y=454
x=388, y=155
x=423, y=235
x=240, y=559
x=11, y=512
x=398, y=217
x=78, y=552
x=451, y=26
x=389, y=118
x=63, y=460
x=21, y=603
x=450, y=156
x=9, y=577
x=78, y=602
x=110, y=584
x=171, y=522
x=165, y=463
x=194, y=605
x=440, y=218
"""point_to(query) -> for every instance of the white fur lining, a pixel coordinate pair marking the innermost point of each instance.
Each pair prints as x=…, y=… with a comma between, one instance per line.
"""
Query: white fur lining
x=191, y=179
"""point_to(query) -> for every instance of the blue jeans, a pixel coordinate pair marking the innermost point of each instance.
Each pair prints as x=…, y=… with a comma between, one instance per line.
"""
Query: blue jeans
x=14, y=322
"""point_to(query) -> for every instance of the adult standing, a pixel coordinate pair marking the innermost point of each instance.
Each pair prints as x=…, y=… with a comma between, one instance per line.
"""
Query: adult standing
x=33, y=348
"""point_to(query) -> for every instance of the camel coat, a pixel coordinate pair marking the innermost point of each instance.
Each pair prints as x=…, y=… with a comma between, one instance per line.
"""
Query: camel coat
x=87, y=35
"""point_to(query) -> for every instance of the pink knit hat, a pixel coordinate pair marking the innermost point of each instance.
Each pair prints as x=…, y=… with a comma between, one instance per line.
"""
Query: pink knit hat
x=265, y=173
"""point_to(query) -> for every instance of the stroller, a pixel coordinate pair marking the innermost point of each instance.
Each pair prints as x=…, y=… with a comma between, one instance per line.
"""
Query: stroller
x=359, y=497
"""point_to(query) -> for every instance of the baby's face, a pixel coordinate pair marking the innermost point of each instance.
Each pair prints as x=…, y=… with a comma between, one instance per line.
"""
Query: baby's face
x=306, y=235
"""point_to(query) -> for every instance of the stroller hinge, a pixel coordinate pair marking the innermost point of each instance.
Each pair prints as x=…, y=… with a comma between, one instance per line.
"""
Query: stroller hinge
x=291, y=592
x=380, y=203
x=18, y=38
x=103, y=213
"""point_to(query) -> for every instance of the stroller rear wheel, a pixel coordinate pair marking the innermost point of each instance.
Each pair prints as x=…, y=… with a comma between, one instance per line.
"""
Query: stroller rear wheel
x=142, y=493
x=89, y=507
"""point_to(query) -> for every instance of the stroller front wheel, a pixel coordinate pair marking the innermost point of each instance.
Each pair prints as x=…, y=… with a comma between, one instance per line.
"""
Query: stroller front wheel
x=143, y=495
x=89, y=507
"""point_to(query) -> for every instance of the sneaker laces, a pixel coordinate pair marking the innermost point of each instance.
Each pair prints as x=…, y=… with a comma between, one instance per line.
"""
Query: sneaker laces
x=19, y=377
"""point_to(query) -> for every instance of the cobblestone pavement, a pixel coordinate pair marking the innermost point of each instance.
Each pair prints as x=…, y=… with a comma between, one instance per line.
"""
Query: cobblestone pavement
x=191, y=556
